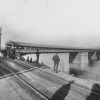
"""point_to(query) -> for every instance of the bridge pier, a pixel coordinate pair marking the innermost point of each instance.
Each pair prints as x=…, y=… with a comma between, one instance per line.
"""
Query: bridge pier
x=98, y=55
x=93, y=57
x=68, y=61
x=78, y=62
x=74, y=63
x=63, y=64
x=84, y=60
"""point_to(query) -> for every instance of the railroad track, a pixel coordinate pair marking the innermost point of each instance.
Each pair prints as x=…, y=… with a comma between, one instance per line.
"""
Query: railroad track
x=31, y=87
x=77, y=88
x=57, y=79
x=25, y=68
x=42, y=72
x=4, y=72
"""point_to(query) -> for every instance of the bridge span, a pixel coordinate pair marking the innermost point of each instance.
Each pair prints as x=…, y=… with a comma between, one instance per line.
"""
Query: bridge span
x=81, y=56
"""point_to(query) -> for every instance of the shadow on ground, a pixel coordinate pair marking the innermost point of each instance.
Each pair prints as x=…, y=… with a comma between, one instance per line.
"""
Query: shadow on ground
x=95, y=93
x=61, y=93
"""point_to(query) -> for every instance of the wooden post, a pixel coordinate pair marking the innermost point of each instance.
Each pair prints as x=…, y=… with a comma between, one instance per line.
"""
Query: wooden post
x=37, y=55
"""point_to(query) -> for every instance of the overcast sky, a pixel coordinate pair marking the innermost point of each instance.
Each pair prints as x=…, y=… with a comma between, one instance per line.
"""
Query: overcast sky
x=60, y=22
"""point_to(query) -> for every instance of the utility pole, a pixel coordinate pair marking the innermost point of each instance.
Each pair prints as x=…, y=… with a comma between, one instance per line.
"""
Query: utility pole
x=0, y=37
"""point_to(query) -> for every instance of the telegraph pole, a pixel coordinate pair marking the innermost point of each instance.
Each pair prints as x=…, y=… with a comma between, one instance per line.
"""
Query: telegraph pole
x=0, y=37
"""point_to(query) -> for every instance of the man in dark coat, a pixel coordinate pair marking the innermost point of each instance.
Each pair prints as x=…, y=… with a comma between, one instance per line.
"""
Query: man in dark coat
x=56, y=61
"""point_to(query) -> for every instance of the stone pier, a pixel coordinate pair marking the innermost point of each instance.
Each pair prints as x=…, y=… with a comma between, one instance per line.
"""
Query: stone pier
x=78, y=61
x=63, y=64
x=84, y=60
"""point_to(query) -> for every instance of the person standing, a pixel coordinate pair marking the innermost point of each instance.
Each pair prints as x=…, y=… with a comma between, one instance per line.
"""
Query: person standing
x=27, y=59
x=31, y=60
x=37, y=55
x=56, y=61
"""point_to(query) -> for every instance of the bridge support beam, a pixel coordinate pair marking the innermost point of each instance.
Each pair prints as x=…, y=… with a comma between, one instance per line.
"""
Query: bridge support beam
x=92, y=56
x=75, y=63
x=78, y=62
x=98, y=55
x=63, y=64
x=84, y=60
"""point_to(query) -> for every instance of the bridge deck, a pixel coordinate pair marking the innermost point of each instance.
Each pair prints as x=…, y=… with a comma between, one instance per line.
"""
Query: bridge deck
x=45, y=46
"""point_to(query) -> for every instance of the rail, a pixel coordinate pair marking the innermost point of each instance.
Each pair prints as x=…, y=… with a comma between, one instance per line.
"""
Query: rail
x=54, y=77
x=57, y=78
x=42, y=95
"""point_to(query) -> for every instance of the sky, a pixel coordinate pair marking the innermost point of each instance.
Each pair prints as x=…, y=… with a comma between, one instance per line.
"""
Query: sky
x=73, y=23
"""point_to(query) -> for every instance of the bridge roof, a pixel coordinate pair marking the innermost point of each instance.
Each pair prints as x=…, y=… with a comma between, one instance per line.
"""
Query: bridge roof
x=24, y=44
